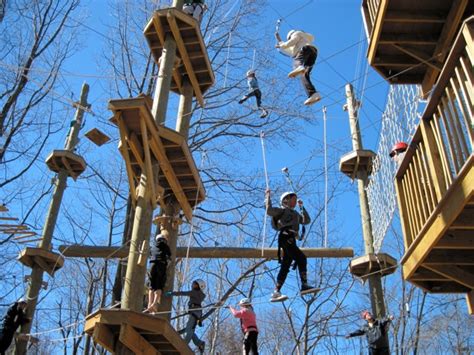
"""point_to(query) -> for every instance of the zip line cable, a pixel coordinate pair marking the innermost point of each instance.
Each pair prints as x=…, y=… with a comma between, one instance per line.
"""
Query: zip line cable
x=325, y=180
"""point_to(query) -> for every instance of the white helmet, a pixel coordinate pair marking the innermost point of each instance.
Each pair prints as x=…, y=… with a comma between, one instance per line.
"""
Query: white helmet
x=22, y=300
x=288, y=36
x=160, y=236
x=251, y=72
x=201, y=283
x=284, y=196
x=245, y=302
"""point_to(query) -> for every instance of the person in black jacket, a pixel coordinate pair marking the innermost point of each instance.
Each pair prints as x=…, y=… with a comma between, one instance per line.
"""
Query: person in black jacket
x=376, y=332
x=13, y=319
x=160, y=254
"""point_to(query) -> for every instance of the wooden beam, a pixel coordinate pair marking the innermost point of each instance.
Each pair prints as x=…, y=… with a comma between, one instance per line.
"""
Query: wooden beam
x=420, y=56
x=449, y=257
x=456, y=239
x=470, y=302
x=123, y=147
x=377, y=30
x=465, y=220
x=82, y=251
x=43, y=264
x=103, y=336
x=134, y=341
x=414, y=39
x=454, y=273
x=414, y=17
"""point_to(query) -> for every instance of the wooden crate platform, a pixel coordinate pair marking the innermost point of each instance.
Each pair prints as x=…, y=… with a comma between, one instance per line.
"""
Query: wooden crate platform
x=47, y=260
x=141, y=333
x=356, y=160
x=410, y=40
x=373, y=263
x=64, y=159
x=190, y=49
x=142, y=141
x=441, y=258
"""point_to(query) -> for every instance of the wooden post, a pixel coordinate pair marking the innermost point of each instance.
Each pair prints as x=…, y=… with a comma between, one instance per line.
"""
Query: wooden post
x=51, y=218
x=375, y=284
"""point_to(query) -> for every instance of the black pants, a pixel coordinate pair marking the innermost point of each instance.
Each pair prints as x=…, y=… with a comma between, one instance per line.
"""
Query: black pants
x=6, y=337
x=306, y=57
x=258, y=95
x=382, y=351
x=291, y=252
x=250, y=343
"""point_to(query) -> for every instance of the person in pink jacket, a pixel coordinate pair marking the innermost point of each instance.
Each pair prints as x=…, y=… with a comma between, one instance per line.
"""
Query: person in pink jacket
x=248, y=322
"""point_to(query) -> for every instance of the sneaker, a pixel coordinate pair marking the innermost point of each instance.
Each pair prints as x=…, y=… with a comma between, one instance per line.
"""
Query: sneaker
x=278, y=297
x=202, y=347
x=305, y=288
x=264, y=113
x=297, y=71
x=313, y=99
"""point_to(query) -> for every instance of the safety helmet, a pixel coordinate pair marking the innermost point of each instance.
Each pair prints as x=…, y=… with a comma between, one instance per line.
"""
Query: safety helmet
x=285, y=195
x=201, y=283
x=22, y=300
x=160, y=236
x=365, y=313
x=398, y=147
x=245, y=302
x=251, y=72
x=288, y=36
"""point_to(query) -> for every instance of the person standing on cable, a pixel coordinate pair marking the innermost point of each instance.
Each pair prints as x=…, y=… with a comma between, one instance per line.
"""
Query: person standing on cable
x=287, y=221
x=14, y=318
x=196, y=296
x=254, y=90
x=299, y=46
x=248, y=323
x=160, y=255
x=376, y=332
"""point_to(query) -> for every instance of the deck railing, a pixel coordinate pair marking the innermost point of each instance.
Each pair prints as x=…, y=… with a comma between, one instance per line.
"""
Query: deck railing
x=443, y=143
x=370, y=9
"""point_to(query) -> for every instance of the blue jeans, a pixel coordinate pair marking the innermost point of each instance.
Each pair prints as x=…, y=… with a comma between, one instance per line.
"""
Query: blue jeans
x=189, y=331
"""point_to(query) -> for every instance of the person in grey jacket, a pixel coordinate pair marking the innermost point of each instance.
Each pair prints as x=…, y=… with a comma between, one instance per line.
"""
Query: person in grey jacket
x=196, y=296
x=287, y=221
x=299, y=46
x=376, y=332
x=254, y=90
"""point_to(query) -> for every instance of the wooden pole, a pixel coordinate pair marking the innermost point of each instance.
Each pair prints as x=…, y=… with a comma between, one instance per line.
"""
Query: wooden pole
x=89, y=251
x=51, y=218
x=375, y=284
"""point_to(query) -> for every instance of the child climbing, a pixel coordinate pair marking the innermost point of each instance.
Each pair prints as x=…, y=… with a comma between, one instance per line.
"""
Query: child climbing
x=195, y=8
x=287, y=221
x=196, y=296
x=299, y=46
x=376, y=332
x=14, y=317
x=160, y=254
x=248, y=323
x=254, y=90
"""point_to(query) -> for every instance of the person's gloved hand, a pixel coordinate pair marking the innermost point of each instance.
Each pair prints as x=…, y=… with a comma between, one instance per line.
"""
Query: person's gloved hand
x=169, y=293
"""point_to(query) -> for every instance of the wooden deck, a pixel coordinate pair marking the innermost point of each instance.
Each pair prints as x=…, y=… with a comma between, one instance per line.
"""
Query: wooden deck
x=410, y=40
x=49, y=261
x=143, y=142
x=194, y=61
x=435, y=181
x=355, y=161
x=367, y=265
x=66, y=160
x=141, y=333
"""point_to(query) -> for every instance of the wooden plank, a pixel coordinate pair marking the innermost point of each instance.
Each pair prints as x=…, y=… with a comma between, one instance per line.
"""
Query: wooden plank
x=8, y=219
x=410, y=208
x=418, y=223
x=184, y=56
x=148, y=166
x=13, y=226
x=414, y=17
x=424, y=211
x=454, y=273
x=103, y=336
x=412, y=39
x=445, y=213
x=469, y=77
x=427, y=179
x=43, y=264
x=134, y=341
x=456, y=239
x=468, y=34
x=446, y=37
x=468, y=120
x=446, y=168
x=470, y=302
x=465, y=221
x=469, y=100
x=82, y=251
x=450, y=140
x=456, y=122
x=404, y=219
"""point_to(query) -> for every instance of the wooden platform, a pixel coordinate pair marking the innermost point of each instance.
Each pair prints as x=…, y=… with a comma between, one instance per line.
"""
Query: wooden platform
x=79, y=251
x=47, y=260
x=97, y=137
x=141, y=333
x=366, y=265
x=410, y=40
x=356, y=160
x=142, y=141
x=69, y=161
x=190, y=48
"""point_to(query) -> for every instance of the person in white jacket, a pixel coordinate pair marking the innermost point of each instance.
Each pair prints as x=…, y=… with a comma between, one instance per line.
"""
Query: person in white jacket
x=299, y=46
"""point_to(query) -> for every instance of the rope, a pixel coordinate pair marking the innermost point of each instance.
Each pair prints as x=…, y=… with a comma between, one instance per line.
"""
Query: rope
x=267, y=185
x=325, y=180
x=227, y=59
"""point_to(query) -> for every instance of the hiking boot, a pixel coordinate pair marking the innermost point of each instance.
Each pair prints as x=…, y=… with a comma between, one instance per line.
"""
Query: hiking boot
x=241, y=101
x=202, y=347
x=297, y=71
x=313, y=99
x=264, y=113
